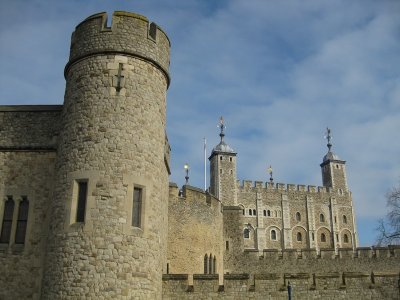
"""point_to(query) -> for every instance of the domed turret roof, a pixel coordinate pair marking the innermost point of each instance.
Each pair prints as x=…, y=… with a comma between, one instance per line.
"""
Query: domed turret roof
x=331, y=156
x=223, y=147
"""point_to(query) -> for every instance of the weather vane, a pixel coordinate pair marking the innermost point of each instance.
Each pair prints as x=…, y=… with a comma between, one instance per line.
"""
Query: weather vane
x=328, y=137
x=222, y=126
x=270, y=174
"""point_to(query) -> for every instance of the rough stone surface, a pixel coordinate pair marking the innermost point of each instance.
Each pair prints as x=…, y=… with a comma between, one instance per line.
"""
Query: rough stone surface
x=110, y=133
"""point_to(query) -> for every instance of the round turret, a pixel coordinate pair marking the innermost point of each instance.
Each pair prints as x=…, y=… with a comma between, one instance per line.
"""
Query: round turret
x=107, y=236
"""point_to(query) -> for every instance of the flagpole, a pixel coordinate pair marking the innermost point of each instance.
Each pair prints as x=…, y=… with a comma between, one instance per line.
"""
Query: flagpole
x=205, y=164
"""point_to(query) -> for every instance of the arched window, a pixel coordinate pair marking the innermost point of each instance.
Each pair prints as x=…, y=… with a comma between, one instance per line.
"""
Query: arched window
x=246, y=233
x=298, y=216
x=254, y=212
x=273, y=235
x=346, y=238
x=214, y=264
x=323, y=237
x=7, y=221
x=265, y=213
x=206, y=264
x=299, y=237
x=22, y=221
x=322, y=218
x=210, y=264
x=344, y=219
x=250, y=212
x=268, y=213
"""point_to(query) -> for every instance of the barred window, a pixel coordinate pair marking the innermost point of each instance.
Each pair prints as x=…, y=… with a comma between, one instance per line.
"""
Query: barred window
x=7, y=221
x=22, y=221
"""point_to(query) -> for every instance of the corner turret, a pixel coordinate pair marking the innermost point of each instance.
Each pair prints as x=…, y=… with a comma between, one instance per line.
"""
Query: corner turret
x=223, y=170
x=333, y=168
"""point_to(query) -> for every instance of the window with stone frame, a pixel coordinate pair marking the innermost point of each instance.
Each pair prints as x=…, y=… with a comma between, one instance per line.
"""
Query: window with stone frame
x=22, y=221
x=298, y=216
x=137, y=207
x=81, y=201
x=299, y=237
x=345, y=238
x=344, y=219
x=273, y=235
x=323, y=237
x=7, y=220
x=322, y=218
x=246, y=233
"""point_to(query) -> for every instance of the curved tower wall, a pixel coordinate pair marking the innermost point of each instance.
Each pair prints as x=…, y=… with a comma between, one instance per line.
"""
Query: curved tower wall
x=113, y=138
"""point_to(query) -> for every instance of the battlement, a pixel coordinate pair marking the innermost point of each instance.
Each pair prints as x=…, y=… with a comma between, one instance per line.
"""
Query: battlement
x=350, y=285
x=130, y=34
x=362, y=252
x=289, y=187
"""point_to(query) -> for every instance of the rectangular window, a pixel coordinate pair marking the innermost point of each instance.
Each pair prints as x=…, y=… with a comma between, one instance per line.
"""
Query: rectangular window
x=137, y=207
x=82, y=198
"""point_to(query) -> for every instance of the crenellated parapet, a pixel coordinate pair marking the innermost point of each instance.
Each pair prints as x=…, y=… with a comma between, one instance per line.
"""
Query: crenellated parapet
x=268, y=285
x=130, y=34
x=285, y=187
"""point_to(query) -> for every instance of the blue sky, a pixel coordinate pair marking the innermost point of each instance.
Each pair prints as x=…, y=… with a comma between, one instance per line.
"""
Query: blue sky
x=278, y=71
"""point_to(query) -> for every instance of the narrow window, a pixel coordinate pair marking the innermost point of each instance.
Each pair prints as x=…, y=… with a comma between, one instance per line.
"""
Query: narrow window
x=210, y=264
x=265, y=213
x=227, y=245
x=323, y=237
x=346, y=238
x=167, y=268
x=82, y=197
x=220, y=158
x=322, y=218
x=231, y=172
x=153, y=30
x=22, y=221
x=250, y=212
x=230, y=158
x=273, y=235
x=137, y=207
x=205, y=264
x=312, y=236
x=335, y=220
x=246, y=233
x=337, y=237
x=220, y=171
x=7, y=221
x=298, y=216
x=243, y=212
x=214, y=264
x=299, y=237
x=344, y=219
x=268, y=213
x=254, y=212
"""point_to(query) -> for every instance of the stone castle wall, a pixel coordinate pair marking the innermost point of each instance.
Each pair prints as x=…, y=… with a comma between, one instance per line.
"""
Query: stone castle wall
x=113, y=137
x=304, y=286
x=290, y=210
x=194, y=231
x=27, y=159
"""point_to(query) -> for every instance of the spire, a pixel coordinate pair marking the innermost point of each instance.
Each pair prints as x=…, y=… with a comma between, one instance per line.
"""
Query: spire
x=328, y=136
x=330, y=155
x=222, y=127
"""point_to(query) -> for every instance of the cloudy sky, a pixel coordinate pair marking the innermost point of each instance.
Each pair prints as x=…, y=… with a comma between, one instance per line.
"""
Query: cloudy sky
x=278, y=71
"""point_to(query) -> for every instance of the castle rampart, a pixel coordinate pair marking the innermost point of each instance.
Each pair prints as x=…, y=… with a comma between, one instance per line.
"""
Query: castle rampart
x=130, y=34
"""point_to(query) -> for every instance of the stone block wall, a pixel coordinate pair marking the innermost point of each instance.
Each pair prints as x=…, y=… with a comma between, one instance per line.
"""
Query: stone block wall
x=194, y=231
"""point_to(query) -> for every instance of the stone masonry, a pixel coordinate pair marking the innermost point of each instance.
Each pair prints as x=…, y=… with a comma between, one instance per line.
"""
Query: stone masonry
x=87, y=210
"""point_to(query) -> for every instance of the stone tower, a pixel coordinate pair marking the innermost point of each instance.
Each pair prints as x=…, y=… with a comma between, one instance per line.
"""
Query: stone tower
x=333, y=168
x=107, y=233
x=223, y=171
